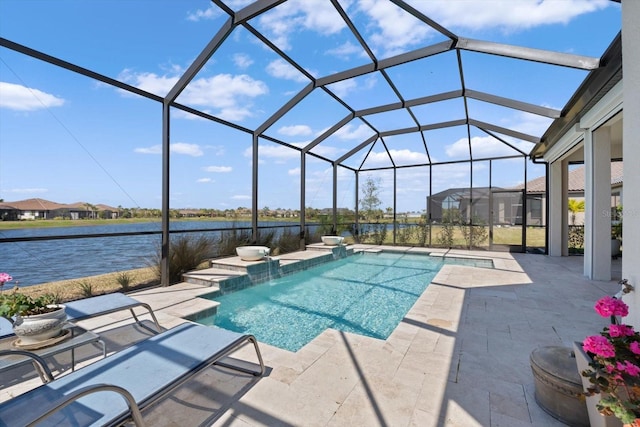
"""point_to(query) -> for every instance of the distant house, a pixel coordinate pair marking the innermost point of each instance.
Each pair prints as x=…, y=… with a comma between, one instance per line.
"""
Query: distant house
x=507, y=203
x=8, y=212
x=37, y=208
x=107, y=212
x=190, y=213
x=537, y=188
x=474, y=204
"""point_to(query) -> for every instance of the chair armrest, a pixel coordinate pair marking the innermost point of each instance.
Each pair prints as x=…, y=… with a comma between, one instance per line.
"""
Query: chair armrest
x=59, y=404
x=39, y=363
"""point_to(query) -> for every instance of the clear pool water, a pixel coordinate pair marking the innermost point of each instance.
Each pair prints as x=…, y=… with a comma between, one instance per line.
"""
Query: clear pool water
x=367, y=294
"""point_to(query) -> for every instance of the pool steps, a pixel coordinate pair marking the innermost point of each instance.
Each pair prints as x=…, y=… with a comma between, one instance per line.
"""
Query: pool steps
x=226, y=275
x=231, y=274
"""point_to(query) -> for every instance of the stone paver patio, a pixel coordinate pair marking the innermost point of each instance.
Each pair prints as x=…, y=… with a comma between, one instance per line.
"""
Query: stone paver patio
x=460, y=357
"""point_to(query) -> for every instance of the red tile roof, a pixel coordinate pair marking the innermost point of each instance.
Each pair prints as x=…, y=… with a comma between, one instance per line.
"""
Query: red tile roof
x=576, y=179
x=35, y=205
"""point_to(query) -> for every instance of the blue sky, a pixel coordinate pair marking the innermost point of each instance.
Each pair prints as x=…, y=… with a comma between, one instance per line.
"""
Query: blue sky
x=68, y=138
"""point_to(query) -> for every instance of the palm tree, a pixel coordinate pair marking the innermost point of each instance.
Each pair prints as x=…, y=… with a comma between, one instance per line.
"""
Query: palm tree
x=574, y=207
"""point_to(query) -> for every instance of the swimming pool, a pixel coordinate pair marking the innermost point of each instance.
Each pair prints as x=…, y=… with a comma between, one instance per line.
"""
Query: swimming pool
x=367, y=294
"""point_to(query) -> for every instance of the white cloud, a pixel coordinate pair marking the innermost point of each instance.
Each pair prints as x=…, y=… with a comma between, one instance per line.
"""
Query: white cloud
x=328, y=151
x=294, y=172
x=241, y=197
x=178, y=148
x=211, y=12
x=281, y=69
x=150, y=82
x=218, y=169
x=342, y=88
x=359, y=133
x=296, y=15
x=506, y=15
x=230, y=95
x=295, y=130
x=401, y=156
x=242, y=60
x=346, y=50
x=409, y=157
x=222, y=90
x=21, y=98
x=27, y=190
x=483, y=146
x=204, y=180
x=188, y=149
x=531, y=124
x=395, y=29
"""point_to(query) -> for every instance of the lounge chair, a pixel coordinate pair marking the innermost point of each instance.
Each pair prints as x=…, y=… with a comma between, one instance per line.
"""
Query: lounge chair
x=93, y=307
x=6, y=328
x=105, y=304
x=114, y=389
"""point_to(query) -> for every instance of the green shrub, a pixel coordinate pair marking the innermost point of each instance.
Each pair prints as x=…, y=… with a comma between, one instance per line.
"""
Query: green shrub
x=474, y=235
x=124, y=280
x=287, y=241
x=576, y=238
x=228, y=241
x=422, y=231
x=86, y=288
x=450, y=219
x=186, y=252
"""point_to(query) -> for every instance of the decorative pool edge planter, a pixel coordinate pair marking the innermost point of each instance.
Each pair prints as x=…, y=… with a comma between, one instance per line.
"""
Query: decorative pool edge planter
x=332, y=240
x=596, y=419
x=40, y=327
x=252, y=253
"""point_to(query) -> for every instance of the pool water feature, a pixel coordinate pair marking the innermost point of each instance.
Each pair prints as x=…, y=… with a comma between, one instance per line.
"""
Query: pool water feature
x=366, y=294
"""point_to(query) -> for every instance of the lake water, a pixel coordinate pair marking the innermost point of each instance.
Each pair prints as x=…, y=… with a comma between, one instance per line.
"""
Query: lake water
x=36, y=262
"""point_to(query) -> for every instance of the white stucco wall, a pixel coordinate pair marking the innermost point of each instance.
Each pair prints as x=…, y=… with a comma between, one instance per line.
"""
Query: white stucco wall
x=631, y=154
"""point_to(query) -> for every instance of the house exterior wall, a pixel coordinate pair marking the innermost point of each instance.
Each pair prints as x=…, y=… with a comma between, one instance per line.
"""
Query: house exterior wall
x=631, y=154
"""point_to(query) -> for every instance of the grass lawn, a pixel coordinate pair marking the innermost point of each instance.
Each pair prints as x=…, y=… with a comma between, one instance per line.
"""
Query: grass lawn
x=501, y=236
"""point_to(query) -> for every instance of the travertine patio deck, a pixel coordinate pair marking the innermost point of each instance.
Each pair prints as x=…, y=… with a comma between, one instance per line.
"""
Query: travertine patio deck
x=459, y=358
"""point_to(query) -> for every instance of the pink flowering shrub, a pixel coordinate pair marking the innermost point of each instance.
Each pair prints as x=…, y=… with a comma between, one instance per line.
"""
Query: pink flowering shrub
x=5, y=277
x=615, y=367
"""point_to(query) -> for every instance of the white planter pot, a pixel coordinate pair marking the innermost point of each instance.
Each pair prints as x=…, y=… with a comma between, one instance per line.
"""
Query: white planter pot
x=252, y=253
x=40, y=327
x=596, y=419
x=332, y=240
x=615, y=247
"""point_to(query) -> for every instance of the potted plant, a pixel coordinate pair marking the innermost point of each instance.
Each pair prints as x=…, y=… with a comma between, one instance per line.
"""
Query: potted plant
x=616, y=234
x=613, y=371
x=34, y=319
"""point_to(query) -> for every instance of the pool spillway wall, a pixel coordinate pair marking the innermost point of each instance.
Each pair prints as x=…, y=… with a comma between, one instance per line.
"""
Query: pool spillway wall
x=273, y=267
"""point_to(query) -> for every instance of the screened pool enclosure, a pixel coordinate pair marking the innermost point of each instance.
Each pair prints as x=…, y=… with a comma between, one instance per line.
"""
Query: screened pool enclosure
x=318, y=99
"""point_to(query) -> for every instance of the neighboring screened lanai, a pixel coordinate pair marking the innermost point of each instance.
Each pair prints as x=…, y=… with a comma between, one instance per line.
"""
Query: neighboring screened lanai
x=320, y=98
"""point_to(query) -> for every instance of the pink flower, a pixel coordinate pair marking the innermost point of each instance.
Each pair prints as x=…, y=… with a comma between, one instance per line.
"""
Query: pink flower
x=4, y=277
x=635, y=347
x=599, y=345
x=609, y=306
x=621, y=331
x=628, y=367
